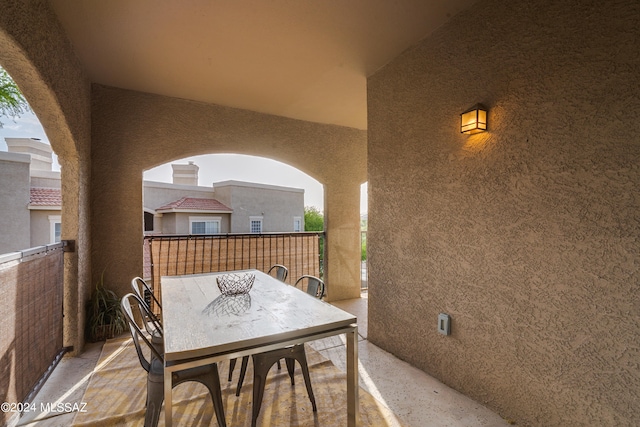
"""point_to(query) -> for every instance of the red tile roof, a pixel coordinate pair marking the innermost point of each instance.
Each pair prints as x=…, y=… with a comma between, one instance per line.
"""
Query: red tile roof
x=45, y=197
x=192, y=203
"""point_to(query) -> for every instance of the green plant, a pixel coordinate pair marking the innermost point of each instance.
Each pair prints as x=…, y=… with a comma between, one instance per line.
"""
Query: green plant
x=313, y=219
x=12, y=102
x=105, y=318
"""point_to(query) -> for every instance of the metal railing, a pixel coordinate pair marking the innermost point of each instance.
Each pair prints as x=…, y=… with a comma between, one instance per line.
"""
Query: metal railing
x=174, y=255
x=31, y=295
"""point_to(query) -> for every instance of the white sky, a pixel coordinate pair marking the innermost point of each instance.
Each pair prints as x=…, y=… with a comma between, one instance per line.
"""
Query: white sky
x=213, y=167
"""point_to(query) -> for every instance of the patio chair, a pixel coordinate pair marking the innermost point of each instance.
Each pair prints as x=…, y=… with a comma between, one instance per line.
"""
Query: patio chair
x=145, y=294
x=262, y=362
x=281, y=272
x=206, y=375
x=142, y=289
x=314, y=286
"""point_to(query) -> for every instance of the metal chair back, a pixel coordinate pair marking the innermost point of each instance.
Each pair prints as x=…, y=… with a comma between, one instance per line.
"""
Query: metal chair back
x=314, y=286
x=137, y=334
x=145, y=294
x=281, y=272
x=142, y=289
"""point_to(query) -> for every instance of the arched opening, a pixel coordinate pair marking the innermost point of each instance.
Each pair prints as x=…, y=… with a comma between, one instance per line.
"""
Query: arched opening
x=48, y=74
x=30, y=172
x=364, y=225
x=208, y=204
x=166, y=129
x=35, y=267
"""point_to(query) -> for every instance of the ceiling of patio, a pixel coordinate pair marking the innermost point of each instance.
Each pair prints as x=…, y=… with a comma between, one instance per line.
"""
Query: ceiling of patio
x=303, y=59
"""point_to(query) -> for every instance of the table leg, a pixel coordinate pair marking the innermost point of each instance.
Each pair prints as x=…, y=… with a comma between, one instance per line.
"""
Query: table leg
x=353, y=411
x=168, y=398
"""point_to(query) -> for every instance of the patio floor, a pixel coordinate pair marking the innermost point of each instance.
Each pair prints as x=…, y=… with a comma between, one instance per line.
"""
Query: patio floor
x=413, y=396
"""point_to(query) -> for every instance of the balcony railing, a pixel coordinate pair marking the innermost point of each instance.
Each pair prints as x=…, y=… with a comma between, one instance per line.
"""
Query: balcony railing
x=31, y=296
x=175, y=255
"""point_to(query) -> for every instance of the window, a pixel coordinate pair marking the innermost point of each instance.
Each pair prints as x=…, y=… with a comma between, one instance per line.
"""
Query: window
x=148, y=221
x=255, y=224
x=55, y=228
x=297, y=223
x=204, y=225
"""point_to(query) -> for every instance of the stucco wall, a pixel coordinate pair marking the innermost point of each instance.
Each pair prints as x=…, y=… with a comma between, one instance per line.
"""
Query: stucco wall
x=14, y=194
x=276, y=205
x=158, y=194
x=133, y=131
x=527, y=235
x=41, y=226
x=47, y=179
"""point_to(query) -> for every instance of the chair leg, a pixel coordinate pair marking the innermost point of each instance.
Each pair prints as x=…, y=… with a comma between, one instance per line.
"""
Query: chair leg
x=213, y=384
x=232, y=366
x=302, y=360
x=243, y=371
x=210, y=378
x=155, y=396
x=261, y=365
x=291, y=366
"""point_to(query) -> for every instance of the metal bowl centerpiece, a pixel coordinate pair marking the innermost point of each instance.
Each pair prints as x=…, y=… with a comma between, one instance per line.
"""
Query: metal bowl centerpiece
x=235, y=284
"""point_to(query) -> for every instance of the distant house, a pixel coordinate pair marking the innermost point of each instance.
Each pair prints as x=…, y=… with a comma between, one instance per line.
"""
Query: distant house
x=183, y=207
x=30, y=202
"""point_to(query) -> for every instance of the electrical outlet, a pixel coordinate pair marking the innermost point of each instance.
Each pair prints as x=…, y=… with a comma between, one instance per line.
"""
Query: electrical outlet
x=444, y=324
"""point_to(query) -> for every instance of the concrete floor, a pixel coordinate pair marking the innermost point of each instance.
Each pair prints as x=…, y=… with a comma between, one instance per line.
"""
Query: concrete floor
x=415, y=398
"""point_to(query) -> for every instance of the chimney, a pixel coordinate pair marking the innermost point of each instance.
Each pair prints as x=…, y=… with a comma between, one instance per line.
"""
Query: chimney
x=41, y=153
x=185, y=174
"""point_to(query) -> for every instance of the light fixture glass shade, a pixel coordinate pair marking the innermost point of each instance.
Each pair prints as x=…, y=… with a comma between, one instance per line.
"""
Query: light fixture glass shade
x=474, y=120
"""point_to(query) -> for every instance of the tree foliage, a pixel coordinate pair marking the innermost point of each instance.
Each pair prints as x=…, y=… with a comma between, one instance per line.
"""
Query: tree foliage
x=12, y=102
x=313, y=219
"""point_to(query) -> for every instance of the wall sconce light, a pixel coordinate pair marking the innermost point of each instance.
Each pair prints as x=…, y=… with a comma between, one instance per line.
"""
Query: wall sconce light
x=474, y=120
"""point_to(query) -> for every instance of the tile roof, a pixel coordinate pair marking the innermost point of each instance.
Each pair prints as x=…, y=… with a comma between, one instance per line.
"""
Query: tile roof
x=45, y=197
x=192, y=203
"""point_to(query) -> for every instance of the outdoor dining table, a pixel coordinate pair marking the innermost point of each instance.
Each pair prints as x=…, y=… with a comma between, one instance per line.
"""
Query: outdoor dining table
x=202, y=326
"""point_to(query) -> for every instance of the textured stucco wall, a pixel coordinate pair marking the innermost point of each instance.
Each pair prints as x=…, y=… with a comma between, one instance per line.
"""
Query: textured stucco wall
x=276, y=206
x=528, y=235
x=132, y=132
x=37, y=54
x=48, y=179
x=14, y=194
x=41, y=226
x=158, y=194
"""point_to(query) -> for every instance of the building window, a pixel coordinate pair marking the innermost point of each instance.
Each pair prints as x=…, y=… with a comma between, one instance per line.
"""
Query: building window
x=55, y=228
x=204, y=225
x=297, y=223
x=255, y=224
x=148, y=221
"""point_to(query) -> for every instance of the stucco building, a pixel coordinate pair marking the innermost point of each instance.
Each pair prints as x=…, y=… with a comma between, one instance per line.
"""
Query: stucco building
x=31, y=202
x=225, y=207
x=30, y=196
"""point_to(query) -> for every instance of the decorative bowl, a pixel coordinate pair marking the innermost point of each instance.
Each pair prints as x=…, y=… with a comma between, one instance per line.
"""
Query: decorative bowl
x=235, y=284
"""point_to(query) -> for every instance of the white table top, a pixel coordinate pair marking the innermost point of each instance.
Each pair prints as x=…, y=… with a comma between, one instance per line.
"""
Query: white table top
x=198, y=321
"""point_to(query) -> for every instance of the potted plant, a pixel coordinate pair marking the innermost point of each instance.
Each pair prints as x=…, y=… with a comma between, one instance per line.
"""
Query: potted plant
x=105, y=318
